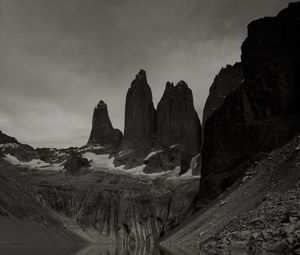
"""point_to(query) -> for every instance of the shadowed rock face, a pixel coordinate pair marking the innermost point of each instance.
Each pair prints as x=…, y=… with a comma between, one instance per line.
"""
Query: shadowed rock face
x=7, y=139
x=177, y=119
x=127, y=209
x=103, y=132
x=178, y=122
x=263, y=112
x=226, y=81
x=139, y=114
x=10, y=145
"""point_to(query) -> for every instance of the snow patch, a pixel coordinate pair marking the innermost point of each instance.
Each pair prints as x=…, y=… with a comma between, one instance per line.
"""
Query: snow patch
x=33, y=164
x=151, y=154
x=173, y=146
x=136, y=170
x=90, y=147
x=101, y=160
x=124, y=153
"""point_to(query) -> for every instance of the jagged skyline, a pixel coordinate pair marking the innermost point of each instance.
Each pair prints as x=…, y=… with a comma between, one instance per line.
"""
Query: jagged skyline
x=60, y=58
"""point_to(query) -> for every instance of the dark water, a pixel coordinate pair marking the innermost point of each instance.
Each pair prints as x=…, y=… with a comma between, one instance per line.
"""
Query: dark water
x=102, y=249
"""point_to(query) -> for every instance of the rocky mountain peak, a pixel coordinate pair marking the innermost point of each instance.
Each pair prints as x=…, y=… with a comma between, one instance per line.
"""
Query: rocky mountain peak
x=177, y=119
x=102, y=132
x=139, y=113
x=101, y=104
x=292, y=11
x=169, y=86
x=262, y=113
x=140, y=79
x=182, y=85
x=227, y=80
x=7, y=139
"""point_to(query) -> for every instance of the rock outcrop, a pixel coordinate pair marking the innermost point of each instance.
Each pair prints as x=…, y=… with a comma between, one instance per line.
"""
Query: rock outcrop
x=177, y=119
x=103, y=132
x=22, y=219
x=226, y=81
x=10, y=145
x=7, y=139
x=178, y=123
x=263, y=112
x=114, y=207
x=140, y=114
x=75, y=163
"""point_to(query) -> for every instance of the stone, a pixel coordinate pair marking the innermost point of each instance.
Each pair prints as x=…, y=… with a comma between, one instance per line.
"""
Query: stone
x=102, y=132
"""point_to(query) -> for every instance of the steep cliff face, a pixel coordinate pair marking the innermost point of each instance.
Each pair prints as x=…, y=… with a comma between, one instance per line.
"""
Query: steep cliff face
x=7, y=139
x=23, y=219
x=171, y=135
x=226, y=81
x=10, y=145
x=103, y=132
x=111, y=207
x=139, y=114
x=263, y=112
x=177, y=119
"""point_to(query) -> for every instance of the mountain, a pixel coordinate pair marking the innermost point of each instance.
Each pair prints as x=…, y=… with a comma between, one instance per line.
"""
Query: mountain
x=262, y=113
x=226, y=81
x=159, y=140
x=140, y=114
x=102, y=132
x=178, y=122
x=177, y=119
x=259, y=214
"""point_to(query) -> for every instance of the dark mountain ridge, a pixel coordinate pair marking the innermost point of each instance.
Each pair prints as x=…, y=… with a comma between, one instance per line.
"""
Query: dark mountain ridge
x=261, y=113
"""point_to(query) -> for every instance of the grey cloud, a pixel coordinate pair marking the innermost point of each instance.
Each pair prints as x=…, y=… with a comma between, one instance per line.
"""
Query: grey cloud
x=60, y=57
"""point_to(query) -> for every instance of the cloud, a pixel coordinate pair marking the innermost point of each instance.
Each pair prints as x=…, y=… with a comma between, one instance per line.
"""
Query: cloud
x=60, y=57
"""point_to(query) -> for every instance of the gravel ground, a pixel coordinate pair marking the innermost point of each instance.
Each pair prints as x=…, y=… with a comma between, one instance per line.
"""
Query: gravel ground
x=260, y=214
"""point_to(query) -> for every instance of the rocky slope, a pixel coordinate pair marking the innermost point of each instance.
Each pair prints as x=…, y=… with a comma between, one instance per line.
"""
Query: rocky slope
x=162, y=139
x=23, y=219
x=259, y=214
x=80, y=195
x=102, y=132
x=263, y=112
x=113, y=207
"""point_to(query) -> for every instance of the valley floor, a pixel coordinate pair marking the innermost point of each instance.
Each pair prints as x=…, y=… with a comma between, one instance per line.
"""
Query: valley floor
x=260, y=214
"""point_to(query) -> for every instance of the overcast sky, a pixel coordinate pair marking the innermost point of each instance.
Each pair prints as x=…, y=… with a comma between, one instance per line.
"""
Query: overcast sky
x=58, y=58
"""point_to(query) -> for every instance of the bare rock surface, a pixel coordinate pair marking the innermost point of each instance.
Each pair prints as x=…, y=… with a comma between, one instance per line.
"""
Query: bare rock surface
x=177, y=119
x=226, y=81
x=259, y=214
x=102, y=132
x=140, y=114
x=263, y=112
x=114, y=207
